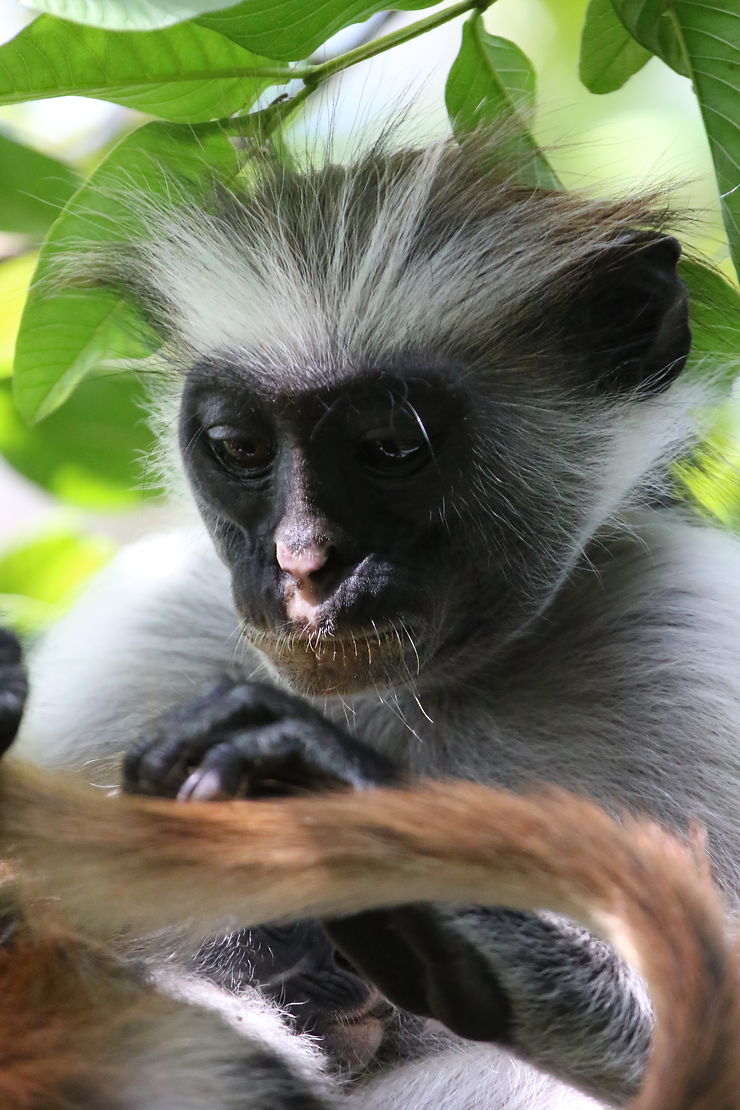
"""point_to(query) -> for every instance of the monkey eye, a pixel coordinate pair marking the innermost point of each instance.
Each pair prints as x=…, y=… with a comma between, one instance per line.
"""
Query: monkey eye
x=393, y=454
x=241, y=450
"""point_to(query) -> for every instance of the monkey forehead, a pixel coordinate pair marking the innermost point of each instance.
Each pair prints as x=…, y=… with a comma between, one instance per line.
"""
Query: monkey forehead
x=424, y=248
x=293, y=387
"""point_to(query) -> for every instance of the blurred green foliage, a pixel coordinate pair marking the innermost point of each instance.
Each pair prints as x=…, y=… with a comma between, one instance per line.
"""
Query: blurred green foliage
x=33, y=187
x=70, y=420
x=40, y=576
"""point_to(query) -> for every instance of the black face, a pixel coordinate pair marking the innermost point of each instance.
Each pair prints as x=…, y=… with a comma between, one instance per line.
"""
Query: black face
x=331, y=508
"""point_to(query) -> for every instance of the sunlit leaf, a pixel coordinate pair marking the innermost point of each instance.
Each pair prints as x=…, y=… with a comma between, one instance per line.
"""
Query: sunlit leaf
x=609, y=54
x=715, y=319
x=127, y=15
x=40, y=576
x=67, y=332
x=33, y=187
x=711, y=477
x=289, y=30
x=185, y=74
x=15, y=276
x=492, y=81
x=27, y=616
x=92, y=452
x=701, y=38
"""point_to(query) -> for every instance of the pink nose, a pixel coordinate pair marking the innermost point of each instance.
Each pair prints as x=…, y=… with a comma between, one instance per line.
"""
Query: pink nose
x=304, y=561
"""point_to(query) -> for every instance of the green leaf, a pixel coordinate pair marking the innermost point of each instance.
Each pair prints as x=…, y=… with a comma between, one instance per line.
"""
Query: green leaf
x=491, y=81
x=33, y=187
x=15, y=277
x=609, y=54
x=40, y=577
x=290, y=30
x=67, y=332
x=128, y=15
x=715, y=319
x=711, y=477
x=185, y=74
x=25, y=615
x=654, y=24
x=702, y=39
x=90, y=453
x=47, y=567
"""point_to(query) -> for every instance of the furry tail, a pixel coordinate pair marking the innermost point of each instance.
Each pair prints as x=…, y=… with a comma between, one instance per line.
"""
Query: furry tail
x=117, y=863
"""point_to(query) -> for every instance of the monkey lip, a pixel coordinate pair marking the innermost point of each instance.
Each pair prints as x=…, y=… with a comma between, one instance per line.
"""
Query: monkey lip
x=323, y=661
x=323, y=641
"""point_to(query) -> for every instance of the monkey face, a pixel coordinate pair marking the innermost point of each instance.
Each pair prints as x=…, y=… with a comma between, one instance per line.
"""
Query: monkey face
x=330, y=507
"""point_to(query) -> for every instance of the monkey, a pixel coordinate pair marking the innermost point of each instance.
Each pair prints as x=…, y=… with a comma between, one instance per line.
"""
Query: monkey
x=427, y=418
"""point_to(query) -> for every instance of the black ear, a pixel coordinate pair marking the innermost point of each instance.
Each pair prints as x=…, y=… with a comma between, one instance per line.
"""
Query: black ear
x=633, y=318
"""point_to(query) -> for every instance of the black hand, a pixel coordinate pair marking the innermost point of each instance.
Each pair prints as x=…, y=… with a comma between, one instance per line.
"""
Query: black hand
x=422, y=962
x=13, y=688
x=245, y=739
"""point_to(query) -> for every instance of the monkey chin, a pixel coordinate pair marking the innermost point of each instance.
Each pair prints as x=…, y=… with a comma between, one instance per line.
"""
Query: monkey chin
x=315, y=663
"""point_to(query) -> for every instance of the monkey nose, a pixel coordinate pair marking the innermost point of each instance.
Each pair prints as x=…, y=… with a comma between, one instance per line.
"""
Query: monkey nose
x=300, y=563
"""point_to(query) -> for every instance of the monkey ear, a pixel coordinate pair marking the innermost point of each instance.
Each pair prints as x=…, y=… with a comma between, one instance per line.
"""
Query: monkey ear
x=635, y=314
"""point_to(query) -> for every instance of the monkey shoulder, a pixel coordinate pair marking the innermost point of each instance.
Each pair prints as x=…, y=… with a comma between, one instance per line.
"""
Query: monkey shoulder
x=660, y=604
x=630, y=689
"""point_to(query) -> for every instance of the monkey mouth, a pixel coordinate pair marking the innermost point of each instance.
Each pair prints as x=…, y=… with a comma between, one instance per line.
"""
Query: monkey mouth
x=323, y=661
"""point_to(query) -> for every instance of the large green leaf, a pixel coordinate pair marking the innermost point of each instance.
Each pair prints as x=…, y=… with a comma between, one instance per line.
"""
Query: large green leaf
x=128, y=15
x=185, y=74
x=492, y=81
x=290, y=30
x=66, y=333
x=90, y=453
x=609, y=54
x=33, y=187
x=702, y=39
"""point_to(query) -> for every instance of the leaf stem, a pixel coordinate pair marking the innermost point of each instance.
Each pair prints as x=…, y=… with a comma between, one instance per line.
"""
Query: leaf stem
x=314, y=75
x=388, y=42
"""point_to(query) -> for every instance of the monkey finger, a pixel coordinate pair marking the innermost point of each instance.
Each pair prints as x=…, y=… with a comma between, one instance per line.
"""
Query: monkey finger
x=158, y=765
x=227, y=706
x=158, y=762
x=271, y=761
x=220, y=776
